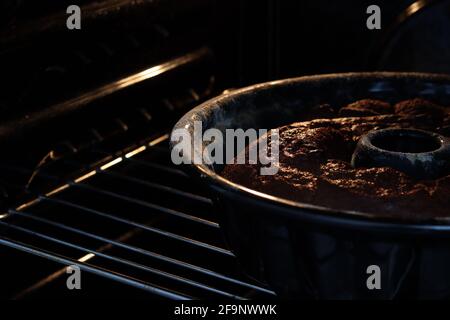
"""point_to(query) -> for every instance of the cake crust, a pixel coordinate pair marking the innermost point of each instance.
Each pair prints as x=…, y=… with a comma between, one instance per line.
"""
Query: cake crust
x=315, y=155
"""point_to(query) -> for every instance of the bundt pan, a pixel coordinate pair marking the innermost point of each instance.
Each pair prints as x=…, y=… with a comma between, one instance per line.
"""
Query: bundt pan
x=313, y=252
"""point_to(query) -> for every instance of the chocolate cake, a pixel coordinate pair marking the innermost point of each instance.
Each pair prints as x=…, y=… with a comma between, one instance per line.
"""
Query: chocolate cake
x=315, y=162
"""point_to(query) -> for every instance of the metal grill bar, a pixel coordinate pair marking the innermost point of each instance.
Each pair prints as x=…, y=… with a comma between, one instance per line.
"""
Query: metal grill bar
x=124, y=261
x=167, y=234
x=143, y=252
x=129, y=222
x=144, y=204
x=159, y=167
x=159, y=187
x=95, y=270
x=93, y=236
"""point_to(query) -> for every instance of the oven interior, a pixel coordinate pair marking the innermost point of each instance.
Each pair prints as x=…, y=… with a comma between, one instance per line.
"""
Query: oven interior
x=85, y=174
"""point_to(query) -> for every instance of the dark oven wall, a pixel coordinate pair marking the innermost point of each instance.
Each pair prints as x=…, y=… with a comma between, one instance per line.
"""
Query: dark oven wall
x=279, y=39
x=253, y=41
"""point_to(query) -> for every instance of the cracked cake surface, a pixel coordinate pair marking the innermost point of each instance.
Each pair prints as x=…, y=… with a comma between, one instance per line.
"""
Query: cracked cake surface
x=315, y=155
